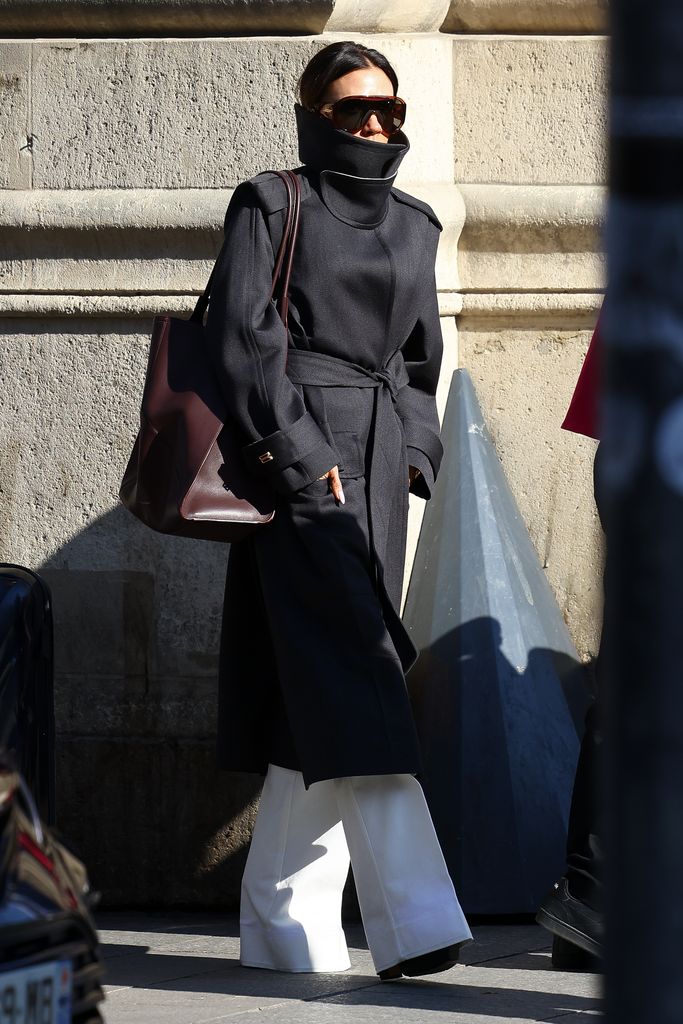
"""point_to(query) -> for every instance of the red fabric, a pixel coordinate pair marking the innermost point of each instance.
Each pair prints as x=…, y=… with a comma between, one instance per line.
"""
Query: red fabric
x=582, y=416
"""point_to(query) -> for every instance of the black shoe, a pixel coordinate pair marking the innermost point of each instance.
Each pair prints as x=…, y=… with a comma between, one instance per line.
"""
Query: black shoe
x=572, y=919
x=568, y=957
x=428, y=963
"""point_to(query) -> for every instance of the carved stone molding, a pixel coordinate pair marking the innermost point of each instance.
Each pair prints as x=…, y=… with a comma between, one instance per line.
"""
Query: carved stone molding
x=387, y=15
x=129, y=252
x=162, y=17
x=32, y=18
x=555, y=16
x=531, y=239
x=120, y=252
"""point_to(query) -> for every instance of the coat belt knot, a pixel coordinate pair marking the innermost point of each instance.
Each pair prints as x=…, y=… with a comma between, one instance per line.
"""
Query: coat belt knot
x=386, y=377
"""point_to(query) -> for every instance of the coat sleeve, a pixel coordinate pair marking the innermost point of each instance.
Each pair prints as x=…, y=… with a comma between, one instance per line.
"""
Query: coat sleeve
x=416, y=404
x=248, y=343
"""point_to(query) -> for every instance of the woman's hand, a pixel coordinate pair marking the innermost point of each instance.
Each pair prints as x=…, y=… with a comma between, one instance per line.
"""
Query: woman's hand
x=334, y=482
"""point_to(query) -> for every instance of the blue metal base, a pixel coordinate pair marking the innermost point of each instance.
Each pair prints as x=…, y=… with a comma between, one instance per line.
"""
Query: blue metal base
x=498, y=690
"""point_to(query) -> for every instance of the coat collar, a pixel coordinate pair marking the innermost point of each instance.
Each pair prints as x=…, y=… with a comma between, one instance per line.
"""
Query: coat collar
x=356, y=175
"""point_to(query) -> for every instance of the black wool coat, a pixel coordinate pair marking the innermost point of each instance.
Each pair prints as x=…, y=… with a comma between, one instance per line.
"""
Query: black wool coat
x=313, y=652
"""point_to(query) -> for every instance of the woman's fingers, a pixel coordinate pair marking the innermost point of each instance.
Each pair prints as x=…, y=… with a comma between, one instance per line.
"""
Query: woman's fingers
x=335, y=485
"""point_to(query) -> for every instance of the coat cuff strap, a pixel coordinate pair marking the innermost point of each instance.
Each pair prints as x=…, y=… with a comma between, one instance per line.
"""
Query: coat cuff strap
x=293, y=457
x=424, y=441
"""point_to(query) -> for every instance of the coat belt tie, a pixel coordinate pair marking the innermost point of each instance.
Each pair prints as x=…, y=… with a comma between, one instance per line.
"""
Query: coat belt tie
x=319, y=370
x=387, y=507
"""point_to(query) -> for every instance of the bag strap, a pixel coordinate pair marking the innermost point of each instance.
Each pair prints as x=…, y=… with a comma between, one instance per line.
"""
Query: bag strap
x=285, y=257
x=282, y=269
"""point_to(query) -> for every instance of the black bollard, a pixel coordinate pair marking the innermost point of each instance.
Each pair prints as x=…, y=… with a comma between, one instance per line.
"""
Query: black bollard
x=643, y=475
x=498, y=693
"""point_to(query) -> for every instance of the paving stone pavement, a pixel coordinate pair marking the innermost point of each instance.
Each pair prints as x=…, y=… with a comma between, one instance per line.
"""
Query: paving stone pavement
x=184, y=969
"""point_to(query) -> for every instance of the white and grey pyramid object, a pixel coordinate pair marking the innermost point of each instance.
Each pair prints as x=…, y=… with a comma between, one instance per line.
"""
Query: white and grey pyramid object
x=498, y=690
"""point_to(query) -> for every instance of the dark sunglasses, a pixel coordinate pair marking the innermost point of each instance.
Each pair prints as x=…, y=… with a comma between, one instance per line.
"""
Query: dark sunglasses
x=352, y=112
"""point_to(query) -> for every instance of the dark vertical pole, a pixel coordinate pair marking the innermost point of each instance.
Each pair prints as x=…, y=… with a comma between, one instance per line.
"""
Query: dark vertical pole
x=643, y=464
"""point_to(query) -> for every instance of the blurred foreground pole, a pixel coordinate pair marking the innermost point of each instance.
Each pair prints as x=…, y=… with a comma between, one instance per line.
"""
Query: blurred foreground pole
x=643, y=462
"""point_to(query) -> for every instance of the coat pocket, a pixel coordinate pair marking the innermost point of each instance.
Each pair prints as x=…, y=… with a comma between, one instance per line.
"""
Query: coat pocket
x=351, y=454
x=316, y=489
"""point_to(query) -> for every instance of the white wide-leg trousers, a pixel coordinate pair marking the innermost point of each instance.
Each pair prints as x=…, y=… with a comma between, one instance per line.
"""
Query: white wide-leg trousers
x=290, y=917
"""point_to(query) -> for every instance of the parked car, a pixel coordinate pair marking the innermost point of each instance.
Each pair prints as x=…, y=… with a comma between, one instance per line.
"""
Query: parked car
x=50, y=965
x=27, y=713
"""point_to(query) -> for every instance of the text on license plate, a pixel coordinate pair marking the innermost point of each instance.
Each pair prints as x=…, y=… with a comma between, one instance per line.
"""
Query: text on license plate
x=36, y=995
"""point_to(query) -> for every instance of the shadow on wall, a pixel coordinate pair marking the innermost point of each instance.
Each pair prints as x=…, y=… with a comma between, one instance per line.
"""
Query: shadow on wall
x=139, y=793
x=137, y=620
x=500, y=745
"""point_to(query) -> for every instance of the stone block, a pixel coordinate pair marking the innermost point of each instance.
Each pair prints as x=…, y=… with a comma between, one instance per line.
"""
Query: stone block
x=137, y=614
x=103, y=623
x=111, y=648
x=203, y=114
x=15, y=151
x=529, y=110
x=162, y=17
x=566, y=16
x=155, y=821
x=524, y=378
x=163, y=114
x=67, y=424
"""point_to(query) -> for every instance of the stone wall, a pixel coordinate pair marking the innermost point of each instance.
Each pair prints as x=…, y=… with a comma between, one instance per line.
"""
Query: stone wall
x=120, y=142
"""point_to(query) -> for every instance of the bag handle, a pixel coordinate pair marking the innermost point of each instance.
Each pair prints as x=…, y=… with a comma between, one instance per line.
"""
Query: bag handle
x=283, y=260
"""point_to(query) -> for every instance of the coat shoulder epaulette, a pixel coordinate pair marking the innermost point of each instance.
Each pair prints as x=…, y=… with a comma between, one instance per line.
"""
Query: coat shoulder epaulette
x=271, y=190
x=417, y=204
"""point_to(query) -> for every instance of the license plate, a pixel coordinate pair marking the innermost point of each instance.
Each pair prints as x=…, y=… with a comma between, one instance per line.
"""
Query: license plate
x=37, y=995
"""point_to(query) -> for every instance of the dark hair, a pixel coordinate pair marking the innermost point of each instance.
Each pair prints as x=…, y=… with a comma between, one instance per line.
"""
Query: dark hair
x=336, y=60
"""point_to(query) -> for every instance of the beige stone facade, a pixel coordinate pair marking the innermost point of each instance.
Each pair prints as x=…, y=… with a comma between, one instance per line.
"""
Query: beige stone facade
x=123, y=129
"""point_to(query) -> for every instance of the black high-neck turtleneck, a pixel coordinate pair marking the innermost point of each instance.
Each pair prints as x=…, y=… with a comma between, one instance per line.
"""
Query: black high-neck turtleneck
x=356, y=174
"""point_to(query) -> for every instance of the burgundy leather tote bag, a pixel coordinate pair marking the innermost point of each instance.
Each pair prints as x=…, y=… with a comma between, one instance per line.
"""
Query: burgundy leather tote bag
x=186, y=475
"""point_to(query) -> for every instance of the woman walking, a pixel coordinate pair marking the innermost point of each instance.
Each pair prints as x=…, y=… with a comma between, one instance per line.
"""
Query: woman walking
x=340, y=418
